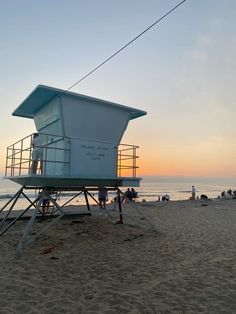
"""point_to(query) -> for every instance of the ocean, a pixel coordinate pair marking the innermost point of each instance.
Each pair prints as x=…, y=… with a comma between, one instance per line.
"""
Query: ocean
x=179, y=188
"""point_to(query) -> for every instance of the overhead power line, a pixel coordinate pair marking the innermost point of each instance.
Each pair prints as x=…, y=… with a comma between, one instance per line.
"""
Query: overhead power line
x=126, y=45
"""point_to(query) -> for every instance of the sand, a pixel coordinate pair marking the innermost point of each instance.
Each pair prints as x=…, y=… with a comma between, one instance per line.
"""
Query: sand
x=89, y=265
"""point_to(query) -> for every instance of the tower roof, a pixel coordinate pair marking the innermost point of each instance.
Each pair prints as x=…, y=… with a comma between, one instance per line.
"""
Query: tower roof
x=42, y=94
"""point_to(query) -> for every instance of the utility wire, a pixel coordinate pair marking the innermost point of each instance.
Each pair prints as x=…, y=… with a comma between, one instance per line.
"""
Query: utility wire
x=130, y=42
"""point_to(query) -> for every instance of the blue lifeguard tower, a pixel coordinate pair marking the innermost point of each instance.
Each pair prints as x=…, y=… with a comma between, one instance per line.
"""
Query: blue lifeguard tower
x=81, y=143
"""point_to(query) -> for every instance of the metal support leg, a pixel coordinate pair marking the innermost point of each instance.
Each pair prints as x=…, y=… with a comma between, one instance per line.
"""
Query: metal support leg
x=67, y=202
x=86, y=198
x=144, y=217
x=28, y=229
x=27, y=198
x=147, y=220
x=18, y=217
x=26, y=238
x=92, y=197
x=17, y=195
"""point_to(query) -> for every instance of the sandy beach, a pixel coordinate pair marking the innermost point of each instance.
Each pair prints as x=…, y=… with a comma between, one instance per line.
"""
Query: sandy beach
x=89, y=265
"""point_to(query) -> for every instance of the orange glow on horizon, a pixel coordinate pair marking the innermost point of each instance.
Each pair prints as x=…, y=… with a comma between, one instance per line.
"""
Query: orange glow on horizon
x=168, y=165
x=185, y=167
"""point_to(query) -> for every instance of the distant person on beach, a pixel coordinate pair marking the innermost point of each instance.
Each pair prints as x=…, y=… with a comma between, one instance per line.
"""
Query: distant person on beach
x=45, y=205
x=193, y=193
x=37, y=154
x=102, y=197
x=203, y=197
x=223, y=194
x=134, y=194
x=229, y=194
x=165, y=197
x=128, y=195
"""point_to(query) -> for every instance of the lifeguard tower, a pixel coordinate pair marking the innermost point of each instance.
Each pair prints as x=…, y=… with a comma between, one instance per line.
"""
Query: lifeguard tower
x=82, y=150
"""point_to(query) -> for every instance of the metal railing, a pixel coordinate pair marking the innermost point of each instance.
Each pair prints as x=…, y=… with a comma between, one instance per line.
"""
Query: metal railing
x=57, y=157
x=127, y=160
x=19, y=155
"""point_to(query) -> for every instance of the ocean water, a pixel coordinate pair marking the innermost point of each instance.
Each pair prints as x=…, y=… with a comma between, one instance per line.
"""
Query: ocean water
x=179, y=188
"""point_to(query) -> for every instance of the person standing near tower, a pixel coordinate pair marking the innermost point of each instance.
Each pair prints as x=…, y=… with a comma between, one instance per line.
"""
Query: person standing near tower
x=193, y=193
x=102, y=197
x=37, y=154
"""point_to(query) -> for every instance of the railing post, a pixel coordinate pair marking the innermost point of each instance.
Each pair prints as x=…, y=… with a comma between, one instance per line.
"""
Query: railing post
x=7, y=162
x=119, y=164
x=128, y=156
x=134, y=161
x=12, y=161
x=21, y=151
x=30, y=153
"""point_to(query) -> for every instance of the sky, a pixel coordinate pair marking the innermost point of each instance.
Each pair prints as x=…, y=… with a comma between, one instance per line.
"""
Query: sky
x=182, y=72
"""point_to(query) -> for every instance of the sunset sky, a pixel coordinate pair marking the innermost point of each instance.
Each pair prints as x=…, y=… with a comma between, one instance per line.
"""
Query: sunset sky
x=182, y=72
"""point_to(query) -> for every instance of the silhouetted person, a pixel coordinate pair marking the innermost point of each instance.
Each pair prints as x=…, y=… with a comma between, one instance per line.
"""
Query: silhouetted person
x=102, y=197
x=128, y=194
x=37, y=154
x=165, y=197
x=133, y=194
x=193, y=193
